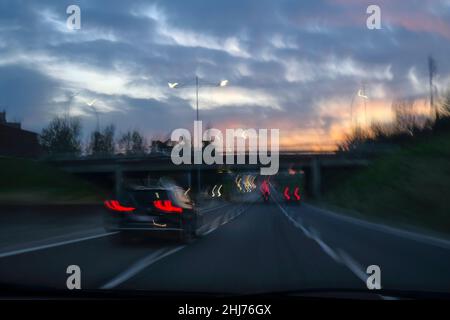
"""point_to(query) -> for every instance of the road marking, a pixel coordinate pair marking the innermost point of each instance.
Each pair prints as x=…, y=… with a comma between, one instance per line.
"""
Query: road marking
x=209, y=231
x=325, y=247
x=225, y=218
x=338, y=256
x=52, y=245
x=215, y=208
x=430, y=240
x=219, y=221
x=353, y=265
x=140, y=265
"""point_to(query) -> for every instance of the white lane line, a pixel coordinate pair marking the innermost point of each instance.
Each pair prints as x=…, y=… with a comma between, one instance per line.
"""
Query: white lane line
x=215, y=208
x=156, y=256
x=216, y=222
x=52, y=245
x=353, y=265
x=325, y=247
x=225, y=218
x=229, y=216
x=339, y=256
x=209, y=231
x=428, y=239
x=140, y=265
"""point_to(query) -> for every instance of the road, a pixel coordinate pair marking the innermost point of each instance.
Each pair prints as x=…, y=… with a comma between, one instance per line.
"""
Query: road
x=249, y=247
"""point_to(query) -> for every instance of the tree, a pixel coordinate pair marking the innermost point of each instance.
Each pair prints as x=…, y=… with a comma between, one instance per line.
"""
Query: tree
x=405, y=116
x=445, y=107
x=102, y=142
x=132, y=143
x=380, y=131
x=443, y=121
x=355, y=140
x=62, y=136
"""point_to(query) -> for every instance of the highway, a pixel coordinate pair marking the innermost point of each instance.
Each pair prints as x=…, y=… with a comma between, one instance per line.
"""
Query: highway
x=246, y=247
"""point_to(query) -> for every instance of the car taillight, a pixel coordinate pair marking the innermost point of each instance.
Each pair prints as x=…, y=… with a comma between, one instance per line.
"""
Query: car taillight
x=286, y=193
x=166, y=206
x=265, y=187
x=116, y=206
x=296, y=193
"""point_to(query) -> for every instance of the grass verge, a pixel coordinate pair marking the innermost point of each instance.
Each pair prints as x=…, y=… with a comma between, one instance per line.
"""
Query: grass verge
x=410, y=187
x=26, y=181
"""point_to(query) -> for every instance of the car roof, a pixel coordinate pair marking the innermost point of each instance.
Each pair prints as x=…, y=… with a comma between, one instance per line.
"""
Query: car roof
x=150, y=188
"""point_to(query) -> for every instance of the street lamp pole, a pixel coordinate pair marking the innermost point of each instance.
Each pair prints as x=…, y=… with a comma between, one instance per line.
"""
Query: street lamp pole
x=91, y=105
x=351, y=110
x=361, y=93
x=72, y=96
x=175, y=85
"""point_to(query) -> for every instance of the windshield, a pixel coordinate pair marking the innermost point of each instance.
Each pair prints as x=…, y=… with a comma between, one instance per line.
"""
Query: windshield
x=225, y=147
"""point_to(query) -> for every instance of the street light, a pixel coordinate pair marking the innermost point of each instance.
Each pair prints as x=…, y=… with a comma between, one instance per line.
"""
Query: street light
x=361, y=93
x=197, y=85
x=91, y=105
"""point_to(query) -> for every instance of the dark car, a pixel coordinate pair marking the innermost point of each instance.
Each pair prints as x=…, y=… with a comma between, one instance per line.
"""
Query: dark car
x=153, y=209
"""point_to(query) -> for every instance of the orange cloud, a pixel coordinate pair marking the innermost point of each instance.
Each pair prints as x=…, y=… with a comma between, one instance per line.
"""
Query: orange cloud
x=397, y=13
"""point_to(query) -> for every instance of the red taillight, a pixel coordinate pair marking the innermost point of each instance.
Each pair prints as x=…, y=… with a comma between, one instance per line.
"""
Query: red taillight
x=297, y=194
x=166, y=206
x=286, y=193
x=116, y=206
x=265, y=187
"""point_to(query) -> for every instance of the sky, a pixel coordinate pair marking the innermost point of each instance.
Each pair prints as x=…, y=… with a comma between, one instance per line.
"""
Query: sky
x=292, y=65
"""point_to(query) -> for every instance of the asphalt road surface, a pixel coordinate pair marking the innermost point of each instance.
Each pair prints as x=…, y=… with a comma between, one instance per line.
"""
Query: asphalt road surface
x=249, y=247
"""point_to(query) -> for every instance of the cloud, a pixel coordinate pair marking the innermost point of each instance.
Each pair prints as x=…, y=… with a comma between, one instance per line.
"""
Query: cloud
x=293, y=65
x=172, y=35
x=333, y=68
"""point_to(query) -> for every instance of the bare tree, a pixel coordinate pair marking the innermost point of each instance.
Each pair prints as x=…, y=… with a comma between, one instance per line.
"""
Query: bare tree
x=132, y=143
x=405, y=116
x=355, y=140
x=62, y=136
x=380, y=131
x=102, y=142
x=445, y=106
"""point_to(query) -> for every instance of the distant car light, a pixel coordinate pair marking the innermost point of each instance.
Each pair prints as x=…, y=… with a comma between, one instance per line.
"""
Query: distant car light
x=296, y=193
x=265, y=187
x=286, y=193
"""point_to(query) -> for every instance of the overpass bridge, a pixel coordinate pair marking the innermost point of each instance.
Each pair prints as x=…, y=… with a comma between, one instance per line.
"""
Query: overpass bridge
x=118, y=166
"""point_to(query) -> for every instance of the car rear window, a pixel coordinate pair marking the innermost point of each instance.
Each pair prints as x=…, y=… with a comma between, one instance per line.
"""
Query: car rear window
x=144, y=197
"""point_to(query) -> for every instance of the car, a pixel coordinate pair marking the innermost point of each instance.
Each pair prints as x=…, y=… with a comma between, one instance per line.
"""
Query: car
x=291, y=186
x=142, y=209
x=265, y=190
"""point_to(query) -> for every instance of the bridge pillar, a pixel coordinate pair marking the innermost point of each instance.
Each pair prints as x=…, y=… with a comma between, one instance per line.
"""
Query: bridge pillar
x=316, y=178
x=118, y=181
